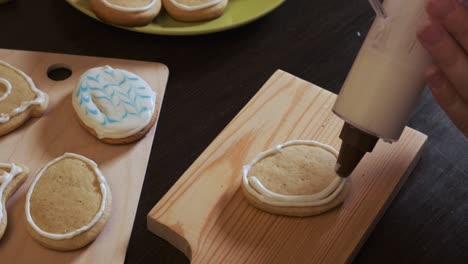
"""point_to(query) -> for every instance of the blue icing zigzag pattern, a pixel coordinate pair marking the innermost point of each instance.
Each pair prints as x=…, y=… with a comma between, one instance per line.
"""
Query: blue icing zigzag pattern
x=120, y=90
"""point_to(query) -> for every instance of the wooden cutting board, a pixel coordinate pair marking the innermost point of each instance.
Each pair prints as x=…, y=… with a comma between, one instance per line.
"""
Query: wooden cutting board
x=43, y=139
x=206, y=215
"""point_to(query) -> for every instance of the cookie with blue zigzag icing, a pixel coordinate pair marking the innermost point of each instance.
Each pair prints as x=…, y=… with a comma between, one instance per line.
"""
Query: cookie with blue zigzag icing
x=115, y=105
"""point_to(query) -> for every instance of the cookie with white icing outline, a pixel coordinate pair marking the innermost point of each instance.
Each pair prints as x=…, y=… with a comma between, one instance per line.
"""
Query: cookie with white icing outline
x=128, y=13
x=19, y=98
x=115, y=105
x=12, y=176
x=68, y=203
x=296, y=178
x=195, y=10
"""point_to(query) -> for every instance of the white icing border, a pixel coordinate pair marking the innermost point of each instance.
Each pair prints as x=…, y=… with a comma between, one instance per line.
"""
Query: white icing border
x=5, y=179
x=8, y=88
x=259, y=191
x=196, y=7
x=39, y=100
x=82, y=229
x=129, y=9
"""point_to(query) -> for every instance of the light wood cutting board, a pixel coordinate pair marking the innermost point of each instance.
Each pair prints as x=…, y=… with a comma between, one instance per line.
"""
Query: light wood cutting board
x=206, y=215
x=43, y=139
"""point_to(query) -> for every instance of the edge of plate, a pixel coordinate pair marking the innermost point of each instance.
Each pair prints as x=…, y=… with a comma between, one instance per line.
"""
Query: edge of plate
x=173, y=32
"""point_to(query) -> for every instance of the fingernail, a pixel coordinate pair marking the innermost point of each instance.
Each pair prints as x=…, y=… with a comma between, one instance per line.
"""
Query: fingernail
x=436, y=81
x=440, y=8
x=464, y=2
x=431, y=34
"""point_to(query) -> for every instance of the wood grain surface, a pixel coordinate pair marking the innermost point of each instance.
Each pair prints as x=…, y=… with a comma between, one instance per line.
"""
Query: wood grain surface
x=208, y=218
x=58, y=131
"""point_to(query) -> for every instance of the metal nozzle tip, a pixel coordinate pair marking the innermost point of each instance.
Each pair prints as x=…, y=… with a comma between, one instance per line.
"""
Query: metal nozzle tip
x=353, y=148
x=337, y=166
x=348, y=159
x=339, y=171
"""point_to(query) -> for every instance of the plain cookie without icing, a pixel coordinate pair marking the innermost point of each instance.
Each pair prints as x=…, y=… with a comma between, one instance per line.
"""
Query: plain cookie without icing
x=195, y=10
x=68, y=203
x=128, y=13
x=19, y=98
x=296, y=178
x=12, y=176
x=115, y=105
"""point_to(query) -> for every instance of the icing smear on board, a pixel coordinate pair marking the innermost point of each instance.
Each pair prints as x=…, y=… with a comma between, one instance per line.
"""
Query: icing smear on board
x=5, y=178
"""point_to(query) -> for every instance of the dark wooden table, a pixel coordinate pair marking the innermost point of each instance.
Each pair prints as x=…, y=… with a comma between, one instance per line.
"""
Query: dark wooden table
x=214, y=76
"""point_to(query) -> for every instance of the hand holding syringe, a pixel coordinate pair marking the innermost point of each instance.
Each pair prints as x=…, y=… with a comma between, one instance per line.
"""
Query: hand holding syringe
x=450, y=18
x=384, y=84
x=445, y=38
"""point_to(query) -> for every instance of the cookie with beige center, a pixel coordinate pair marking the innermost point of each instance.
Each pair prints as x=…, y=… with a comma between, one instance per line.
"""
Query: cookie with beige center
x=12, y=176
x=68, y=203
x=195, y=10
x=20, y=99
x=296, y=178
x=128, y=13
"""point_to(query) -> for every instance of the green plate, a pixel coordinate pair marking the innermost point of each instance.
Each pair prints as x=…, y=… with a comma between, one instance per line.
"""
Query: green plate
x=237, y=13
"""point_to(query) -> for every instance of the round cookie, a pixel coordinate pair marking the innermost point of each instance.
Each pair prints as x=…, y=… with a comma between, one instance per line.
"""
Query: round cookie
x=296, y=178
x=19, y=98
x=195, y=10
x=68, y=203
x=127, y=13
x=114, y=105
x=12, y=176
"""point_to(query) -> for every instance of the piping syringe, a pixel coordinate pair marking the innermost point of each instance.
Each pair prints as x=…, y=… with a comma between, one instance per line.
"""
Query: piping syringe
x=384, y=83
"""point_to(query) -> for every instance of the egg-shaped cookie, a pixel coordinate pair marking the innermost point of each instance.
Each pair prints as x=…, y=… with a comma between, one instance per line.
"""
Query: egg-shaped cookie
x=68, y=203
x=296, y=178
x=12, y=176
x=20, y=99
x=115, y=105
x=195, y=10
x=128, y=13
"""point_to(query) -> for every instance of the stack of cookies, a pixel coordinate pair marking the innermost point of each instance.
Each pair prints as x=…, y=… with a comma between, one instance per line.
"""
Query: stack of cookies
x=133, y=13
